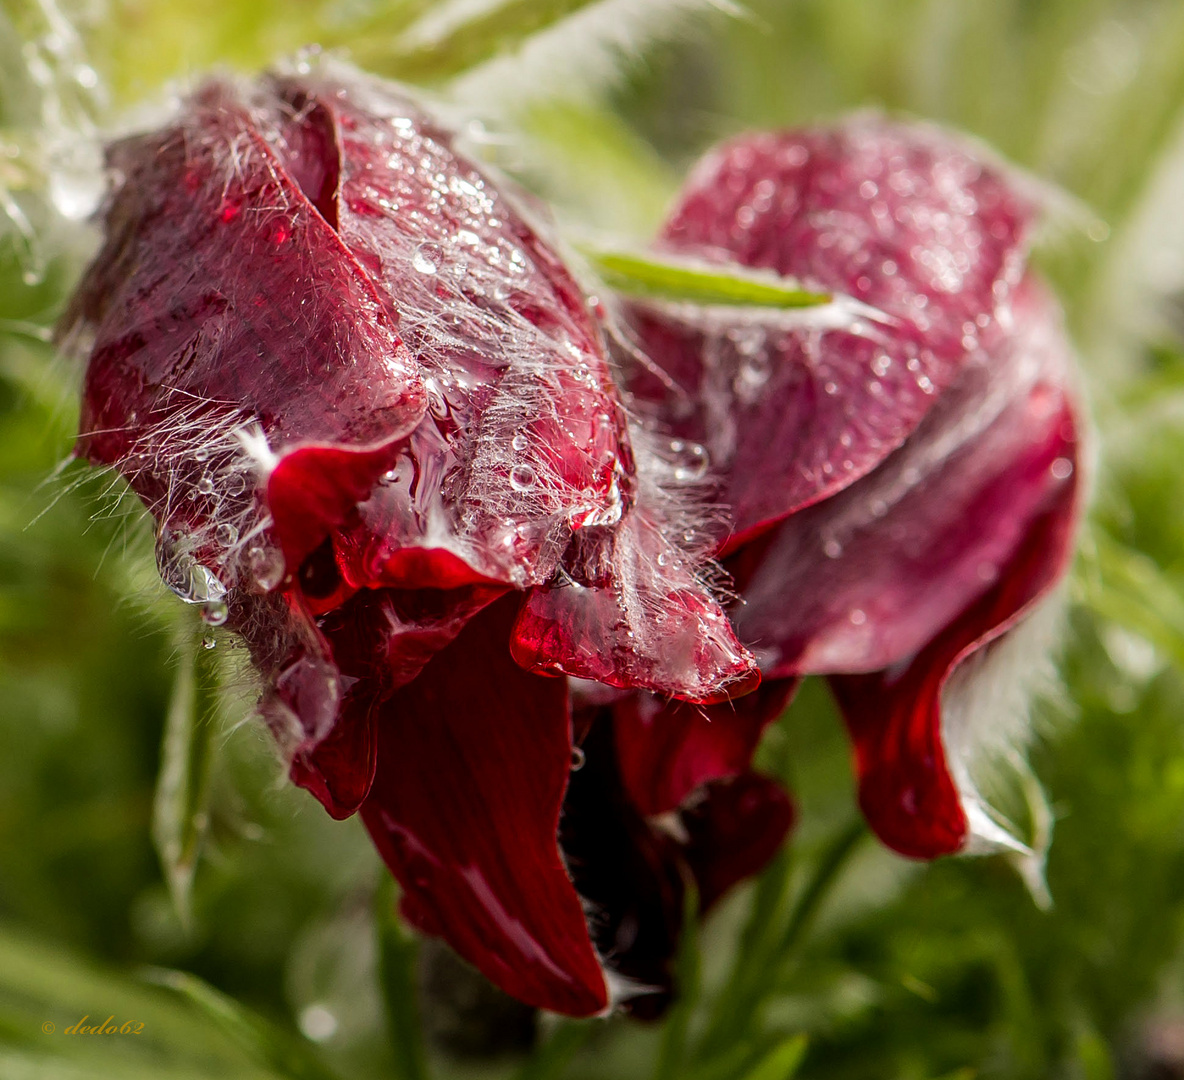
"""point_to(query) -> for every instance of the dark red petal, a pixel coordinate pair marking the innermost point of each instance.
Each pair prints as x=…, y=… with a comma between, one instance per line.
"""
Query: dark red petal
x=472, y=767
x=231, y=327
x=632, y=871
x=312, y=490
x=339, y=769
x=524, y=440
x=1007, y=501
x=305, y=138
x=198, y=299
x=793, y=408
x=627, y=610
x=326, y=680
x=319, y=715
x=733, y=831
x=629, y=875
x=864, y=580
x=666, y=749
x=895, y=716
x=386, y=636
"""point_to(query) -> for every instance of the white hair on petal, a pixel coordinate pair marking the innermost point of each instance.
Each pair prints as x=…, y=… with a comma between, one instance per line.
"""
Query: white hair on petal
x=986, y=729
x=578, y=55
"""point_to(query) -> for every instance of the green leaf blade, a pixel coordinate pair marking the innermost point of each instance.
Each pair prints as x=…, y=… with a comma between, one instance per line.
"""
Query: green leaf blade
x=658, y=278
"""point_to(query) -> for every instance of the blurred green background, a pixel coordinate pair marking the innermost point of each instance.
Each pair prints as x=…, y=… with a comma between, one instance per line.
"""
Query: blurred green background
x=154, y=867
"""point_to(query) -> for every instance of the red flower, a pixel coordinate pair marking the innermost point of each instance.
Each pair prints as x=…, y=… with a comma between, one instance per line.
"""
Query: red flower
x=371, y=414
x=901, y=467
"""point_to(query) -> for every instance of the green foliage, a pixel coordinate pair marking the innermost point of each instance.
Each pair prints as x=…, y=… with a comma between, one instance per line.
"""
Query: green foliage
x=671, y=279
x=120, y=730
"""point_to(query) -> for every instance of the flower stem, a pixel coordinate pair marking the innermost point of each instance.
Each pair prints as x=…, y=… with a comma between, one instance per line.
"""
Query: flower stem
x=397, y=951
x=765, y=957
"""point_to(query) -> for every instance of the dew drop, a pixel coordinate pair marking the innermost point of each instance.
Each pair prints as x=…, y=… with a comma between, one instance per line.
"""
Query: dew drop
x=214, y=612
x=753, y=374
x=208, y=642
x=427, y=258
x=182, y=573
x=519, y=442
x=1061, y=469
x=522, y=478
x=266, y=566
x=692, y=460
x=206, y=485
x=234, y=484
x=857, y=616
x=832, y=549
x=578, y=758
x=226, y=534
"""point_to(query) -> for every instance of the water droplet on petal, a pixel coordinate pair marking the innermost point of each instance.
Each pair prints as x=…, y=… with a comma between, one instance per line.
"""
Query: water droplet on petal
x=208, y=642
x=832, y=549
x=214, y=612
x=577, y=758
x=857, y=616
x=226, y=534
x=1061, y=469
x=522, y=478
x=182, y=573
x=266, y=567
x=427, y=258
x=691, y=461
x=519, y=442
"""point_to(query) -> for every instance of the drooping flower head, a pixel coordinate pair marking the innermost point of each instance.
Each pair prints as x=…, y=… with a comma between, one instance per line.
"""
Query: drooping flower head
x=371, y=413
x=373, y=416
x=900, y=467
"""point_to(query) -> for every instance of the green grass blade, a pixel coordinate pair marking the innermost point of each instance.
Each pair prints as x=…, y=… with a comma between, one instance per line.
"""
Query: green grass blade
x=782, y=1062
x=435, y=47
x=660, y=278
x=551, y=1060
x=672, y=1052
x=271, y=1047
x=1126, y=586
x=397, y=951
x=180, y=812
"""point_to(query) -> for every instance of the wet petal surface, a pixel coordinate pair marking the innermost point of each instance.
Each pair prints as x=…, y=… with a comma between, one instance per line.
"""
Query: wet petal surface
x=523, y=441
x=920, y=565
x=666, y=749
x=864, y=580
x=922, y=240
x=465, y=811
